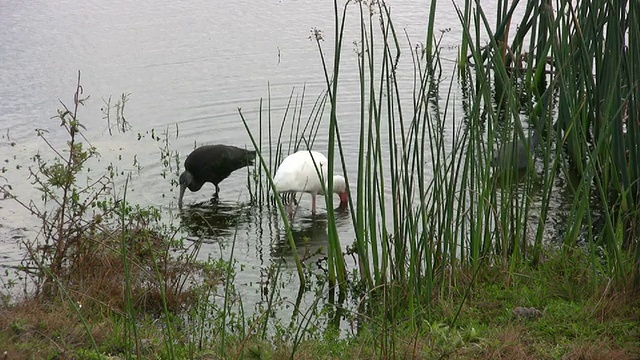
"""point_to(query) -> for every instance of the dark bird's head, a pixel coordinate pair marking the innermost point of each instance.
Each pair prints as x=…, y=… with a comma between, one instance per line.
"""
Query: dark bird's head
x=186, y=180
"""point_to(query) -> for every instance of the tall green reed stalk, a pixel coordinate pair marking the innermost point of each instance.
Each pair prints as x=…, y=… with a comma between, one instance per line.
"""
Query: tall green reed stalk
x=415, y=227
x=428, y=207
x=391, y=219
x=595, y=53
x=301, y=134
x=579, y=65
x=336, y=263
x=470, y=215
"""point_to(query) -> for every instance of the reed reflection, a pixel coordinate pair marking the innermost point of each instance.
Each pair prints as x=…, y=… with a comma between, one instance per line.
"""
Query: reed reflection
x=310, y=233
x=212, y=220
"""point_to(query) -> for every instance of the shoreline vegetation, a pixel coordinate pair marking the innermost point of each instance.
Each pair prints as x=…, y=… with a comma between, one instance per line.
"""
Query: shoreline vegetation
x=451, y=267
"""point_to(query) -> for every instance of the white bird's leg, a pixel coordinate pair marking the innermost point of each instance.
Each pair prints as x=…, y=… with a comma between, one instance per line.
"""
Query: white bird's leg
x=313, y=204
x=290, y=206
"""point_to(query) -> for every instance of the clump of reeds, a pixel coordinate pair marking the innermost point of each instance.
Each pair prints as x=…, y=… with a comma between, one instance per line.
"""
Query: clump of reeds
x=430, y=203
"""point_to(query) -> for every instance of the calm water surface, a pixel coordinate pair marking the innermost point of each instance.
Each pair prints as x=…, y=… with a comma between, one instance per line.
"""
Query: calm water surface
x=187, y=67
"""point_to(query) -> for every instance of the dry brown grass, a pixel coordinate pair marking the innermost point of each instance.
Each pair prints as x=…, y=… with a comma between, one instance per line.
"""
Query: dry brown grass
x=98, y=275
x=33, y=330
x=599, y=351
x=94, y=288
x=508, y=343
x=613, y=304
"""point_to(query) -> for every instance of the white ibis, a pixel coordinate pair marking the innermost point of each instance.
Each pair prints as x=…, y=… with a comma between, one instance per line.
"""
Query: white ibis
x=212, y=163
x=297, y=173
x=516, y=154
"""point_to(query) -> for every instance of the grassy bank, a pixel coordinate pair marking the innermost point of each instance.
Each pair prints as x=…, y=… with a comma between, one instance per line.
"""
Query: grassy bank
x=573, y=323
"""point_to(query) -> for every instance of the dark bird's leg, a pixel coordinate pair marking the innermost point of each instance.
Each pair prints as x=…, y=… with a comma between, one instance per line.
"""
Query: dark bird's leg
x=215, y=195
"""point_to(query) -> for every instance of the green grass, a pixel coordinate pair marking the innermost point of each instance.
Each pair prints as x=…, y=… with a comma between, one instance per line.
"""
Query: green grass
x=574, y=319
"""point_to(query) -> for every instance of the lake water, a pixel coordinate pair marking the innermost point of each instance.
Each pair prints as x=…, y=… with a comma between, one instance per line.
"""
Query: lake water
x=187, y=67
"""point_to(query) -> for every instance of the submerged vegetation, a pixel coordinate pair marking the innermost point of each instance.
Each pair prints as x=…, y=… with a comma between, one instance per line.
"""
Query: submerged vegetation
x=454, y=257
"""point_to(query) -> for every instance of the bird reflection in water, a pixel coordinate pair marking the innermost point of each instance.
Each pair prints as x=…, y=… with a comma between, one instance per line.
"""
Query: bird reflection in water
x=311, y=237
x=214, y=219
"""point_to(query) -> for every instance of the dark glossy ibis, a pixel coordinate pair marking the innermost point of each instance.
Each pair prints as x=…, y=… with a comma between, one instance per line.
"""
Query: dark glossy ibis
x=516, y=155
x=212, y=163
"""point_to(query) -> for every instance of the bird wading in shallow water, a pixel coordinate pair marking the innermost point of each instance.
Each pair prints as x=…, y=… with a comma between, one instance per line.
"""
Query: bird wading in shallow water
x=212, y=163
x=297, y=173
x=516, y=155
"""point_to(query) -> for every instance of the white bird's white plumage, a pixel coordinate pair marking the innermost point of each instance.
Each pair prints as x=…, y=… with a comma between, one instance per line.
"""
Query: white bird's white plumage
x=297, y=173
